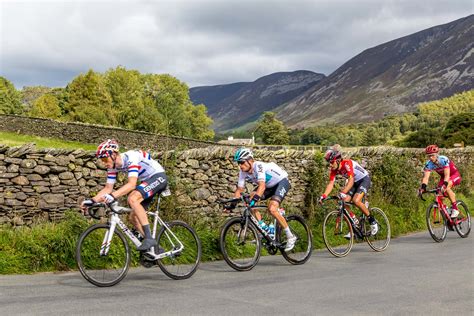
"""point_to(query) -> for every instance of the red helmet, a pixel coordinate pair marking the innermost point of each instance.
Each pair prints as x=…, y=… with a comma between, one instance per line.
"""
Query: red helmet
x=332, y=155
x=432, y=149
x=106, y=148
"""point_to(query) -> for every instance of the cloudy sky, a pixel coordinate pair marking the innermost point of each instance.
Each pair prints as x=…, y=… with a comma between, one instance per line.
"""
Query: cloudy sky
x=202, y=42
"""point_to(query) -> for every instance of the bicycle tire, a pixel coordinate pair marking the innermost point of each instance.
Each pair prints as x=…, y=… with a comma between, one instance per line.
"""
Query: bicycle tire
x=240, y=254
x=95, y=267
x=463, y=221
x=304, y=244
x=184, y=264
x=378, y=242
x=333, y=235
x=436, y=222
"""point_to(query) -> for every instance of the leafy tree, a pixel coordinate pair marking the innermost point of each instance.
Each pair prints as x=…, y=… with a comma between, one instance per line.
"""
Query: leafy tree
x=89, y=101
x=460, y=128
x=30, y=94
x=271, y=130
x=200, y=122
x=10, y=98
x=46, y=106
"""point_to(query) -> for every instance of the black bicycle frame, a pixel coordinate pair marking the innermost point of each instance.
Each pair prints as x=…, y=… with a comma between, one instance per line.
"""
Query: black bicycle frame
x=357, y=230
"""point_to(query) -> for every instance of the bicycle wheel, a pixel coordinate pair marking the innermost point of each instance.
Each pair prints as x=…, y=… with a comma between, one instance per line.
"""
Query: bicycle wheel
x=102, y=269
x=334, y=232
x=379, y=241
x=463, y=222
x=436, y=223
x=304, y=243
x=184, y=263
x=240, y=245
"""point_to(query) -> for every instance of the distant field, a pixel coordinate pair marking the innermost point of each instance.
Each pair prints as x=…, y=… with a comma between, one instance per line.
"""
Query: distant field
x=14, y=139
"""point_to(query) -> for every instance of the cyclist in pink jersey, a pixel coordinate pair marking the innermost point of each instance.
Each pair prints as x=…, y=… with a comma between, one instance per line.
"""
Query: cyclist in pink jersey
x=140, y=167
x=448, y=172
x=357, y=185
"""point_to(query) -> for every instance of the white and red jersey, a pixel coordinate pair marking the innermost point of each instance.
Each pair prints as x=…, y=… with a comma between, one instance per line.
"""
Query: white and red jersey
x=349, y=168
x=138, y=164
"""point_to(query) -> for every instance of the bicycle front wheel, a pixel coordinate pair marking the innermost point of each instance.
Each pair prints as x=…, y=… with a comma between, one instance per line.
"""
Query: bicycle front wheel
x=463, y=222
x=379, y=241
x=240, y=244
x=98, y=265
x=436, y=223
x=304, y=242
x=337, y=234
x=182, y=264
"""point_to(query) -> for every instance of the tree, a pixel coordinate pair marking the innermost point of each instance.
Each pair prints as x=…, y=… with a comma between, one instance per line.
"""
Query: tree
x=200, y=122
x=46, y=106
x=89, y=101
x=460, y=128
x=271, y=130
x=30, y=94
x=10, y=98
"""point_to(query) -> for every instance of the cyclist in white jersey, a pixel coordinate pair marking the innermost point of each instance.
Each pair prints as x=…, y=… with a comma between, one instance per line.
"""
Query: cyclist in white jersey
x=140, y=167
x=272, y=183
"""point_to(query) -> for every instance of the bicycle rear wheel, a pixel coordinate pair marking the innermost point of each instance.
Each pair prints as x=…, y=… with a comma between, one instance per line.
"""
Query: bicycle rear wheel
x=240, y=244
x=379, y=241
x=335, y=228
x=304, y=243
x=106, y=269
x=184, y=263
x=436, y=223
x=463, y=221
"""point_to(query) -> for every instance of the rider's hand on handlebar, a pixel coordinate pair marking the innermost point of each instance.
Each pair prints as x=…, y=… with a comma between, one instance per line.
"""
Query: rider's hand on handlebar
x=322, y=198
x=231, y=206
x=85, y=205
x=108, y=198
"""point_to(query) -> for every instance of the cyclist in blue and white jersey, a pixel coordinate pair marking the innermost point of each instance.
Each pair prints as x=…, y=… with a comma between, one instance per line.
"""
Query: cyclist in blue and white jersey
x=140, y=167
x=272, y=182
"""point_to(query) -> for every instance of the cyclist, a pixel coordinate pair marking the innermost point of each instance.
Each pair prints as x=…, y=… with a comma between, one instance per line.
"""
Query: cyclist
x=448, y=172
x=357, y=184
x=272, y=183
x=140, y=167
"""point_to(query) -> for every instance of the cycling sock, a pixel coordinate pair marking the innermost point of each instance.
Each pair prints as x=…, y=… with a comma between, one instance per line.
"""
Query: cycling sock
x=146, y=230
x=288, y=232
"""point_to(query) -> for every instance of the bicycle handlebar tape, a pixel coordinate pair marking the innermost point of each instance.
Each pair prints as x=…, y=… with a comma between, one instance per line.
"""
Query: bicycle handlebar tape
x=255, y=199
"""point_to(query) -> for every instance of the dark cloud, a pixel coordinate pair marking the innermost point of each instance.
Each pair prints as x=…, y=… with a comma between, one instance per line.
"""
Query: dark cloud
x=202, y=42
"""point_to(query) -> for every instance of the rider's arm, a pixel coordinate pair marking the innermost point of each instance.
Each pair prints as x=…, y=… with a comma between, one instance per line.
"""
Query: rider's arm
x=127, y=188
x=426, y=177
x=238, y=192
x=329, y=188
x=348, y=186
x=446, y=172
x=260, y=188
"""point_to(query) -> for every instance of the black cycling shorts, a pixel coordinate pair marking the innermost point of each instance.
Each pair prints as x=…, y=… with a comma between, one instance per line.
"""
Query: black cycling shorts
x=361, y=186
x=152, y=186
x=277, y=192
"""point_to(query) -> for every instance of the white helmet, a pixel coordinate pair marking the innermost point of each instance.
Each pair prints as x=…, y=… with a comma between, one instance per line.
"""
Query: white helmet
x=243, y=154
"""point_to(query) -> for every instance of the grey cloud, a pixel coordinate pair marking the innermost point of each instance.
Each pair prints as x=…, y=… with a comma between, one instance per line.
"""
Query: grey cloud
x=202, y=42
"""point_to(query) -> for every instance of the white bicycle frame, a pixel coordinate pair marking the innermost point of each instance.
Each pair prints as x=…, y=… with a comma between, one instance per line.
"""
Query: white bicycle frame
x=116, y=221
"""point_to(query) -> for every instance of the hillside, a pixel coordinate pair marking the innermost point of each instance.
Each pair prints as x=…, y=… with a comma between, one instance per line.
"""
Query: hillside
x=390, y=78
x=233, y=105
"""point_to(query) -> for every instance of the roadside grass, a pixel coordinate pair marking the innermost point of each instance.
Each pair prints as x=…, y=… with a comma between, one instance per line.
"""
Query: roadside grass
x=14, y=139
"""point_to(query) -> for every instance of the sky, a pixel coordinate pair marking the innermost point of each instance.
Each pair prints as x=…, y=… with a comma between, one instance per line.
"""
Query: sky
x=202, y=42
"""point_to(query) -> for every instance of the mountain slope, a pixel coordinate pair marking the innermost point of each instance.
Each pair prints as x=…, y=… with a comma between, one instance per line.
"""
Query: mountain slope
x=390, y=78
x=236, y=104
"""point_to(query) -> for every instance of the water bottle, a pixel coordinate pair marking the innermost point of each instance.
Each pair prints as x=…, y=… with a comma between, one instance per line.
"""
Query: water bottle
x=271, y=230
x=354, y=218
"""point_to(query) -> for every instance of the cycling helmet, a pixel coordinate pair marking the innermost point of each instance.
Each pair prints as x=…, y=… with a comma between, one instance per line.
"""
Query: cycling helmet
x=332, y=154
x=243, y=154
x=432, y=149
x=106, y=148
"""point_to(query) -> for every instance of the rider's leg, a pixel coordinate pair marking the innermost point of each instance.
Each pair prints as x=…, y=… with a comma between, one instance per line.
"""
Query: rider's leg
x=134, y=200
x=357, y=200
x=451, y=195
x=136, y=223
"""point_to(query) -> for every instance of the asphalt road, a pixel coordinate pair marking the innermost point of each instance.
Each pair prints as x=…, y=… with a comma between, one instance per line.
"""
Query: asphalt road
x=414, y=275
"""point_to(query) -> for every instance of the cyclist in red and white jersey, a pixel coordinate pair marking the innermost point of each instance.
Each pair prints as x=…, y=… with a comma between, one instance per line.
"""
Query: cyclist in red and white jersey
x=140, y=167
x=357, y=185
x=448, y=172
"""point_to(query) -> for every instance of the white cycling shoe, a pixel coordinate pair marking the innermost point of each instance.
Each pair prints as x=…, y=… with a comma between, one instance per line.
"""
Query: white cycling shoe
x=454, y=213
x=290, y=243
x=374, y=228
x=347, y=236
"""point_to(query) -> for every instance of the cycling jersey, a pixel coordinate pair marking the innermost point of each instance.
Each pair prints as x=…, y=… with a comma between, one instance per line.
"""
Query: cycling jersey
x=269, y=172
x=138, y=164
x=442, y=163
x=349, y=168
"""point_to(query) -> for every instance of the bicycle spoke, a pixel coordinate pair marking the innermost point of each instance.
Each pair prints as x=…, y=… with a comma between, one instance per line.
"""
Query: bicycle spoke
x=303, y=246
x=337, y=234
x=381, y=239
x=463, y=221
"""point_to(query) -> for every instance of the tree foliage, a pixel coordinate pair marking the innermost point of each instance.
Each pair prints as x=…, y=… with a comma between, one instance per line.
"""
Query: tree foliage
x=46, y=106
x=10, y=98
x=271, y=130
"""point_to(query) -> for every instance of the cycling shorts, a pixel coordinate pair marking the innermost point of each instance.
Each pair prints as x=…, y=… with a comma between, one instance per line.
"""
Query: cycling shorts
x=361, y=186
x=152, y=186
x=455, y=178
x=278, y=192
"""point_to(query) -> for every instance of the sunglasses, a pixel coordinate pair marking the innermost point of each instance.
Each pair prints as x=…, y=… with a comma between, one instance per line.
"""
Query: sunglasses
x=241, y=162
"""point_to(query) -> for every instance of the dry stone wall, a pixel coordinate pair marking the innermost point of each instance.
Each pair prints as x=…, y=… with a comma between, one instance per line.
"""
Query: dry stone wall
x=44, y=183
